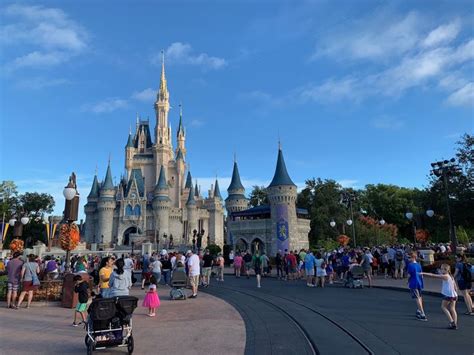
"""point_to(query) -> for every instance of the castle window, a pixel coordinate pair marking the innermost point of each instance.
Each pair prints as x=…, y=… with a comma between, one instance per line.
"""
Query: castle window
x=137, y=210
x=128, y=210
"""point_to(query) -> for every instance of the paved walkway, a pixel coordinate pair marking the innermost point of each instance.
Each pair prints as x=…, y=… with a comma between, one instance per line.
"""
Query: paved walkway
x=205, y=325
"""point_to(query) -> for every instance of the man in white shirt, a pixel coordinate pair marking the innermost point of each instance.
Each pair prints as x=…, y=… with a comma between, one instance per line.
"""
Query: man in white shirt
x=194, y=272
x=128, y=266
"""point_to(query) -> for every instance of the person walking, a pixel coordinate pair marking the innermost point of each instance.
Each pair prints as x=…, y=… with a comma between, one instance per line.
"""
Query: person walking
x=257, y=267
x=415, y=283
x=231, y=258
x=309, y=263
x=29, y=274
x=220, y=267
x=207, y=262
x=320, y=270
x=248, y=263
x=105, y=270
x=237, y=265
x=13, y=268
x=151, y=300
x=81, y=288
x=155, y=267
x=450, y=296
x=279, y=265
x=119, y=282
x=193, y=272
x=366, y=265
x=166, y=269
x=463, y=277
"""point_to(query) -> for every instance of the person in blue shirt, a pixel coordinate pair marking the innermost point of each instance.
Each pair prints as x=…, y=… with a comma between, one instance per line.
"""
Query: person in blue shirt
x=415, y=284
x=309, y=261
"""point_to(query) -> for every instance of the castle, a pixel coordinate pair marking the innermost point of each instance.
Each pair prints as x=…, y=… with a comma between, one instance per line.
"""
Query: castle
x=155, y=202
x=156, y=199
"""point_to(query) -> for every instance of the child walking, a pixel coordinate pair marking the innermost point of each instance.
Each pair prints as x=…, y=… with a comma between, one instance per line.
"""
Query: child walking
x=450, y=296
x=81, y=288
x=151, y=300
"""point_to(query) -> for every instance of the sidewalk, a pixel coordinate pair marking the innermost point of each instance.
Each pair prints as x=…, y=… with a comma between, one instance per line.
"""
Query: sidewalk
x=205, y=325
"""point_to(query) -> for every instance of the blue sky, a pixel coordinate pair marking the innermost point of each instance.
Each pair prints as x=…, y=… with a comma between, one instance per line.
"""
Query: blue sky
x=358, y=91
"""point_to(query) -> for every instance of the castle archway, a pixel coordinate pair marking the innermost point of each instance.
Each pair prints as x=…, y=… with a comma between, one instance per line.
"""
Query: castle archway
x=241, y=245
x=127, y=234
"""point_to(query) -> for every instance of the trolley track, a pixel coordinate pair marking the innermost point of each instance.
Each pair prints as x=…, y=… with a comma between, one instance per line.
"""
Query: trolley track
x=321, y=334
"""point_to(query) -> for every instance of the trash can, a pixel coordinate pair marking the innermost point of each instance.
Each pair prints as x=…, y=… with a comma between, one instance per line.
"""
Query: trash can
x=69, y=299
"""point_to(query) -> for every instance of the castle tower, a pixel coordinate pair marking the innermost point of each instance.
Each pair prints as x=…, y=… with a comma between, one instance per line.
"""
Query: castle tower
x=129, y=152
x=216, y=216
x=163, y=151
x=90, y=209
x=106, y=206
x=181, y=134
x=161, y=204
x=282, y=196
x=236, y=201
x=191, y=214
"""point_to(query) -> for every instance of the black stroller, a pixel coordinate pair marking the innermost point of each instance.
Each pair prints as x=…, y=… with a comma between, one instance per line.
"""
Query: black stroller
x=178, y=283
x=110, y=323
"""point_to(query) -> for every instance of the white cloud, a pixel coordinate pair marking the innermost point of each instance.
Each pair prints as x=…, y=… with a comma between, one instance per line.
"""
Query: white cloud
x=463, y=96
x=348, y=183
x=106, y=106
x=183, y=53
x=145, y=95
x=348, y=88
x=47, y=35
x=442, y=34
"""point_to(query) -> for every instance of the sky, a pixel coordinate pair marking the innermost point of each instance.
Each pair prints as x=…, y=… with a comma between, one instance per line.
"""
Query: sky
x=362, y=92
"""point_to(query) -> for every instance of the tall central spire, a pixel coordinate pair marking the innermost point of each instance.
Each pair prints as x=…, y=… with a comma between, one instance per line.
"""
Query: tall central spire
x=163, y=94
x=162, y=107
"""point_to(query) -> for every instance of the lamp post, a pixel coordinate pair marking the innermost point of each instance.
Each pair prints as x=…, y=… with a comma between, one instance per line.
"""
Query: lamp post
x=443, y=170
x=382, y=223
x=71, y=209
x=348, y=198
x=410, y=216
x=17, y=226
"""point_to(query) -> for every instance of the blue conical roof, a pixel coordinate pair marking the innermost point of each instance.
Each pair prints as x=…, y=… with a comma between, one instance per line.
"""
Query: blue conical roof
x=235, y=183
x=179, y=155
x=108, y=182
x=95, y=188
x=191, y=200
x=189, y=181
x=180, y=125
x=281, y=176
x=196, y=190
x=130, y=141
x=162, y=184
x=217, y=191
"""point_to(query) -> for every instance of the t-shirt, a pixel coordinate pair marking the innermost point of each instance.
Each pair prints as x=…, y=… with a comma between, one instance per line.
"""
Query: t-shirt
x=51, y=266
x=248, y=258
x=319, y=263
x=193, y=265
x=416, y=280
x=366, y=261
x=81, y=289
x=207, y=259
x=155, y=266
x=309, y=261
x=291, y=260
x=166, y=264
x=105, y=273
x=29, y=268
x=128, y=264
x=14, y=270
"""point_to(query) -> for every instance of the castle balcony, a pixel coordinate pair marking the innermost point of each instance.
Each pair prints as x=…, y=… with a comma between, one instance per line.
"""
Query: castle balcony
x=131, y=218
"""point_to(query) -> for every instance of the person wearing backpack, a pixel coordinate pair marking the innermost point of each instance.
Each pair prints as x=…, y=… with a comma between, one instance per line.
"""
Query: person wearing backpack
x=463, y=277
x=257, y=266
x=399, y=263
x=29, y=274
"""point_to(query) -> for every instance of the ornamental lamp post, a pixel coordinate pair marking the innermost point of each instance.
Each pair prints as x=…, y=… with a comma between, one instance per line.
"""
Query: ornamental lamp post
x=71, y=209
x=410, y=216
x=348, y=198
x=17, y=226
x=382, y=223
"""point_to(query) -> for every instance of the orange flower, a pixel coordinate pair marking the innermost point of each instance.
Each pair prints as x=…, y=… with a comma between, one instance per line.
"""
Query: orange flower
x=69, y=236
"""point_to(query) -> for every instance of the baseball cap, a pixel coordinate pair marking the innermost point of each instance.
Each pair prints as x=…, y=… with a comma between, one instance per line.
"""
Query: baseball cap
x=188, y=252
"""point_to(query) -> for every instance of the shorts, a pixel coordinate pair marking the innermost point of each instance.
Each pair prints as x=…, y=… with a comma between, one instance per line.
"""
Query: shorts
x=13, y=287
x=368, y=271
x=449, y=299
x=81, y=307
x=415, y=293
x=28, y=286
x=248, y=266
x=399, y=264
x=309, y=272
x=463, y=285
x=320, y=273
x=194, y=280
x=258, y=271
x=206, y=271
x=291, y=269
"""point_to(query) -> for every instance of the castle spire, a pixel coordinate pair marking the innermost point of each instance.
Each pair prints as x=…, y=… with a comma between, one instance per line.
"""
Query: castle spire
x=95, y=188
x=180, y=125
x=217, y=191
x=108, y=182
x=235, y=184
x=281, y=176
x=163, y=93
x=191, y=200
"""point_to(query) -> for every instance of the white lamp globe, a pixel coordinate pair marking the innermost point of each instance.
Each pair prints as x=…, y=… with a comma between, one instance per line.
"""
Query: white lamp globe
x=24, y=220
x=332, y=224
x=382, y=222
x=430, y=213
x=349, y=222
x=69, y=193
x=12, y=222
x=409, y=215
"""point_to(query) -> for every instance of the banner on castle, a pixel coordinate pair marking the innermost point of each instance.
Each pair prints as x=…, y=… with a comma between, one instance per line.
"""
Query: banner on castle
x=282, y=227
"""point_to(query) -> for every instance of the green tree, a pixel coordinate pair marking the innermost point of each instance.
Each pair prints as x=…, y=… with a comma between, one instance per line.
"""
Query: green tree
x=8, y=198
x=258, y=196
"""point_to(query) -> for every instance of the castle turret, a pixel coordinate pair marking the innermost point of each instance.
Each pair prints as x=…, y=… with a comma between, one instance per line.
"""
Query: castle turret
x=216, y=217
x=106, y=206
x=282, y=196
x=129, y=151
x=191, y=214
x=161, y=204
x=236, y=201
x=181, y=134
x=90, y=210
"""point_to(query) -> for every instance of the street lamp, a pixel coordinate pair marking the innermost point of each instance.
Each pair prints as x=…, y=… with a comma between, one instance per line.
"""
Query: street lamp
x=409, y=215
x=444, y=169
x=17, y=226
x=332, y=223
x=71, y=209
x=348, y=198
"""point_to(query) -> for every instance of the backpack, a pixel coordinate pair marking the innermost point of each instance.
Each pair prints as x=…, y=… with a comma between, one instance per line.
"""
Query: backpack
x=466, y=272
x=399, y=255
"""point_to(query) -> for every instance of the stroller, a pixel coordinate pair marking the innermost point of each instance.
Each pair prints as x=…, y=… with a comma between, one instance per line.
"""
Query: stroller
x=110, y=323
x=355, y=277
x=178, y=283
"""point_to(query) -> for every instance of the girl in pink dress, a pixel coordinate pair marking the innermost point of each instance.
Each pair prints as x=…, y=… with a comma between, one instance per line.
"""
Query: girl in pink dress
x=151, y=300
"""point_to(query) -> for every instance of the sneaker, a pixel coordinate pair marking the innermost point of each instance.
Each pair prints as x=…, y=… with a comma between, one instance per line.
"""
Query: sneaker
x=418, y=312
x=75, y=324
x=452, y=326
x=422, y=318
x=192, y=296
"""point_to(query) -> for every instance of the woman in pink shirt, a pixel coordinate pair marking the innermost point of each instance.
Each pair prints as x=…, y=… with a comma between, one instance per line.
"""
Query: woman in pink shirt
x=237, y=264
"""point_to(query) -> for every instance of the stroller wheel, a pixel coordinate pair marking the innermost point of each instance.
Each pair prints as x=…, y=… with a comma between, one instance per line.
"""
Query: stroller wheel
x=89, y=348
x=87, y=340
x=130, y=345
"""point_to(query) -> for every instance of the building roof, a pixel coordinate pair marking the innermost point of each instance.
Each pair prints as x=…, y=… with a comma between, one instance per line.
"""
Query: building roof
x=263, y=209
x=162, y=184
x=196, y=190
x=179, y=155
x=191, y=200
x=136, y=174
x=235, y=183
x=143, y=124
x=129, y=141
x=95, y=188
x=180, y=125
x=217, y=191
x=189, y=181
x=108, y=183
x=281, y=176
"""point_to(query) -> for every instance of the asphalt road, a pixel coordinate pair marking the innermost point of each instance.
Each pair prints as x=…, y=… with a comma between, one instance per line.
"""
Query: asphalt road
x=290, y=318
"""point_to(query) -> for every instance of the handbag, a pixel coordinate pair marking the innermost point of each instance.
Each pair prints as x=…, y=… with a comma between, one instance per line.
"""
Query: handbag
x=34, y=277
